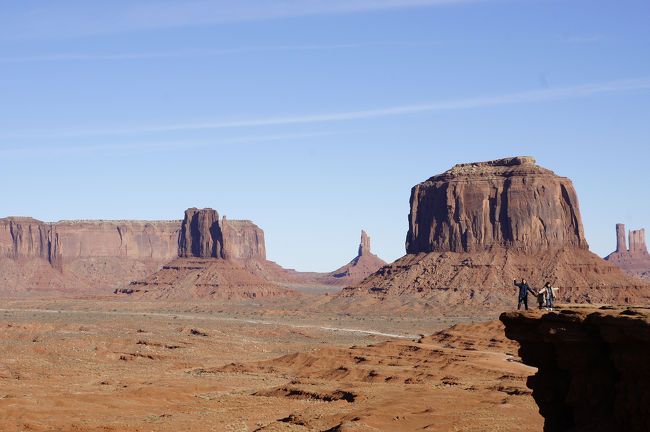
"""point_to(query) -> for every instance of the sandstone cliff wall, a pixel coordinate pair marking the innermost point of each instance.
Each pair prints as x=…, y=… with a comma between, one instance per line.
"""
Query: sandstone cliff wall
x=201, y=234
x=243, y=239
x=97, y=255
x=510, y=203
x=156, y=240
x=24, y=237
x=592, y=365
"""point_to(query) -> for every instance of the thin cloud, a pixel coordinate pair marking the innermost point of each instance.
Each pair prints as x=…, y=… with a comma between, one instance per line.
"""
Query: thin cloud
x=73, y=19
x=47, y=151
x=531, y=96
x=204, y=53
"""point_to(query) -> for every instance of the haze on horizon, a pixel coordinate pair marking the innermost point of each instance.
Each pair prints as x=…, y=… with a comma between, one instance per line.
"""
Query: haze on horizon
x=315, y=118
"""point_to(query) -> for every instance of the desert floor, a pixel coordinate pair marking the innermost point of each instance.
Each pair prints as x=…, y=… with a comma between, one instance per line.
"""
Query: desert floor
x=77, y=365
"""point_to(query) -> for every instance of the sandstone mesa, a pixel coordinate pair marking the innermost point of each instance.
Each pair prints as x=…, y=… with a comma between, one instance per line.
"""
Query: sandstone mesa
x=478, y=226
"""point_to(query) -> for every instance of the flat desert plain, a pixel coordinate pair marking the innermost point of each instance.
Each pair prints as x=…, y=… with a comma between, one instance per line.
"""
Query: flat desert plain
x=77, y=365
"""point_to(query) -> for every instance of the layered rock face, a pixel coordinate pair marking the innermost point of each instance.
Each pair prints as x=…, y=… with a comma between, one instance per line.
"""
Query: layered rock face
x=211, y=253
x=592, y=365
x=243, y=239
x=201, y=234
x=68, y=257
x=478, y=226
x=153, y=240
x=634, y=261
x=68, y=240
x=98, y=255
x=23, y=237
x=509, y=203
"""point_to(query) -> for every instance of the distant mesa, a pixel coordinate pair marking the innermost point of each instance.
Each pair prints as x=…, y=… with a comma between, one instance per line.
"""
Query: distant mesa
x=478, y=226
x=204, y=268
x=634, y=261
x=82, y=257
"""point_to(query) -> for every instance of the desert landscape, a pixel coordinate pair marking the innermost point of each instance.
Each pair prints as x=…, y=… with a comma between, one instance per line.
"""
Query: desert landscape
x=324, y=216
x=216, y=337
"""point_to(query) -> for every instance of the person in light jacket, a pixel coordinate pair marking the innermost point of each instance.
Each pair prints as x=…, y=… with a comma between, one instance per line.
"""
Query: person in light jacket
x=549, y=294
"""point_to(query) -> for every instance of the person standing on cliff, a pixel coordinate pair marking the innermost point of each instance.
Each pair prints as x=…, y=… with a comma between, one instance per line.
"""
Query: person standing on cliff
x=549, y=294
x=524, y=289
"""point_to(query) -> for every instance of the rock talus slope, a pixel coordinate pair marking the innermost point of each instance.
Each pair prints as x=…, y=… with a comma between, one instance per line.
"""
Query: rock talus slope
x=478, y=226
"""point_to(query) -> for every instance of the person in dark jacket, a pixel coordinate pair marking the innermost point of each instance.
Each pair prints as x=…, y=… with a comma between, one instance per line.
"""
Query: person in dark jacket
x=524, y=289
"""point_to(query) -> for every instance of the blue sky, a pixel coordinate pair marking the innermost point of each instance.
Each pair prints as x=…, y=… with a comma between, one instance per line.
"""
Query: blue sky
x=315, y=118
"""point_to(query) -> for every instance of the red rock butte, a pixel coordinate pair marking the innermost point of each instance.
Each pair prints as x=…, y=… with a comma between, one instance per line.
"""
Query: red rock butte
x=204, y=269
x=478, y=226
x=634, y=261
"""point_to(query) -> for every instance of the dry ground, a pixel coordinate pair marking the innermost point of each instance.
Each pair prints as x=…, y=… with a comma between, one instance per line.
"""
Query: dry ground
x=113, y=366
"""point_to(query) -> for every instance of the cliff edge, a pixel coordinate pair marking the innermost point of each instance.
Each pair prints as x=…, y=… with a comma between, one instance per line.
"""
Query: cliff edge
x=592, y=365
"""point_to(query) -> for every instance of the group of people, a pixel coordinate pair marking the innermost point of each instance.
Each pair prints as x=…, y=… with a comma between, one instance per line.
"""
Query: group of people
x=545, y=296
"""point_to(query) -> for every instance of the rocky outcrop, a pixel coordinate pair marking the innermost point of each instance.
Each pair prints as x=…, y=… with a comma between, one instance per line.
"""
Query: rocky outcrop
x=201, y=234
x=478, y=226
x=621, y=246
x=142, y=240
x=634, y=261
x=364, y=246
x=69, y=240
x=243, y=239
x=363, y=265
x=509, y=203
x=208, y=268
x=637, y=242
x=102, y=255
x=24, y=237
x=592, y=365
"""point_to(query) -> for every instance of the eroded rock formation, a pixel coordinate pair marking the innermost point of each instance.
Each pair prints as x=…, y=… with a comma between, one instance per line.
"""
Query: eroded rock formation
x=88, y=256
x=201, y=234
x=636, y=260
x=363, y=265
x=510, y=203
x=243, y=239
x=478, y=226
x=592, y=365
